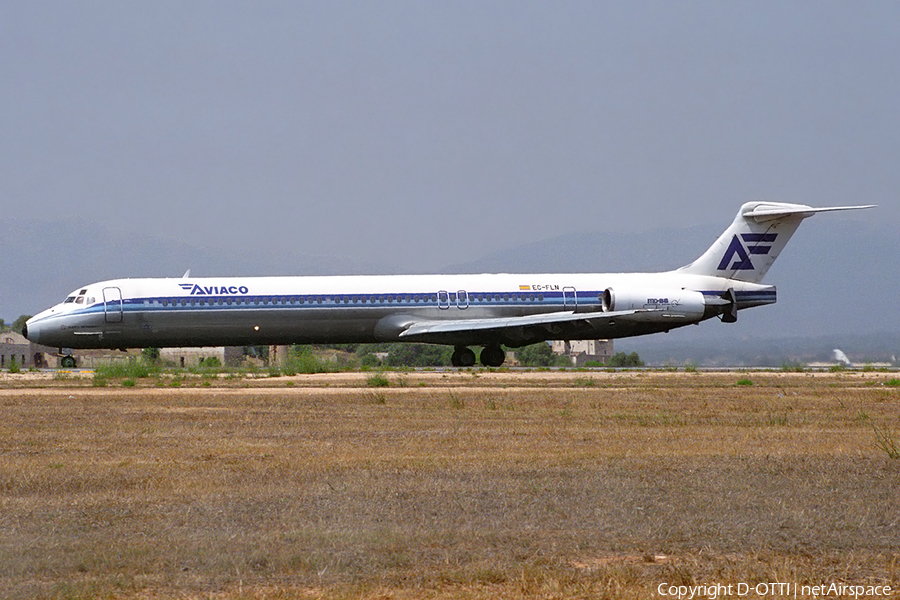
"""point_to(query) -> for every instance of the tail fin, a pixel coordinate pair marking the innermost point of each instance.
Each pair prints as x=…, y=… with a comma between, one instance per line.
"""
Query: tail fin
x=757, y=236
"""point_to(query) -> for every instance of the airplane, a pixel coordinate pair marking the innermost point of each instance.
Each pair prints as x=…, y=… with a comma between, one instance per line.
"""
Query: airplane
x=487, y=310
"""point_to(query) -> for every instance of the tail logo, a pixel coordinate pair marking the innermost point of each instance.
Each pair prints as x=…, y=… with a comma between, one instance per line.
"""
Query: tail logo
x=737, y=249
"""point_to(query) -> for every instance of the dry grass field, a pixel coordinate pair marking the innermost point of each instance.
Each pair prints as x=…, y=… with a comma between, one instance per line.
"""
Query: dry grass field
x=446, y=485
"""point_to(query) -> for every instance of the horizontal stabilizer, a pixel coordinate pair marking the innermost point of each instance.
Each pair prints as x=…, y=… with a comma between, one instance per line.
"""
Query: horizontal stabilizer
x=769, y=212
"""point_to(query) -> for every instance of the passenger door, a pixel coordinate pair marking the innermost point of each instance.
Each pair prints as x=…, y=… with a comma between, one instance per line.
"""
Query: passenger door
x=112, y=304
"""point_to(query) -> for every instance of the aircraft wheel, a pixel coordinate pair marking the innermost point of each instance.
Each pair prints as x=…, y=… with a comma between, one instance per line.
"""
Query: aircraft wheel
x=493, y=356
x=67, y=362
x=462, y=357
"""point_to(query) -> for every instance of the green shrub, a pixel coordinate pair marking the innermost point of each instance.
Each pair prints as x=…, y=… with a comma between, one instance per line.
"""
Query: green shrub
x=744, y=382
x=13, y=365
x=133, y=369
x=302, y=359
x=418, y=355
x=885, y=440
x=620, y=359
x=369, y=360
x=377, y=380
x=211, y=362
x=541, y=355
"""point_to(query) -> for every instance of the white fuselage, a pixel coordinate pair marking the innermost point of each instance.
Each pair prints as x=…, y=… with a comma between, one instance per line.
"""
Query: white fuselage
x=294, y=310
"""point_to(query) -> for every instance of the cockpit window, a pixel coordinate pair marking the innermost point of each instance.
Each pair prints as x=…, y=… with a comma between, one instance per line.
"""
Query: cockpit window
x=79, y=300
x=82, y=292
x=69, y=299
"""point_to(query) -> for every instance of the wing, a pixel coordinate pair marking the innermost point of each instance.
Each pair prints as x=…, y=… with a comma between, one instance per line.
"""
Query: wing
x=521, y=331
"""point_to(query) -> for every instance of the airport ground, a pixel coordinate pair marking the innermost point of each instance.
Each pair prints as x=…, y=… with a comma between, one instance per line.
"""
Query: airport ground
x=456, y=484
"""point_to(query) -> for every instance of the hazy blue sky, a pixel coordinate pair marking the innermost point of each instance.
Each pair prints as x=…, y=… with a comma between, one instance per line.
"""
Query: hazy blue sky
x=423, y=134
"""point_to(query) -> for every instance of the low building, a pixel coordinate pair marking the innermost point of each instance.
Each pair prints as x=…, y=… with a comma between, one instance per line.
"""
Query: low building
x=16, y=349
x=583, y=351
x=279, y=355
x=229, y=356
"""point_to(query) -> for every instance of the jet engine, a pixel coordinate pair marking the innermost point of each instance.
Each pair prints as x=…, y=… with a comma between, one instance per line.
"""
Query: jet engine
x=678, y=303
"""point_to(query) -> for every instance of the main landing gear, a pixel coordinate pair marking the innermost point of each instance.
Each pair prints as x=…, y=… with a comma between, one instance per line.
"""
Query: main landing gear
x=491, y=356
x=462, y=357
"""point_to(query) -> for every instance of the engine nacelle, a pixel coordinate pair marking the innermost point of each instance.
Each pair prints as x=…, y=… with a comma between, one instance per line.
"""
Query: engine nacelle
x=667, y=303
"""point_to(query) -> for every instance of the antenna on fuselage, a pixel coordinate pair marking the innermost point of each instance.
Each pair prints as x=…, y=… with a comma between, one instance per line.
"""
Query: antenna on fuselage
x=186, y=274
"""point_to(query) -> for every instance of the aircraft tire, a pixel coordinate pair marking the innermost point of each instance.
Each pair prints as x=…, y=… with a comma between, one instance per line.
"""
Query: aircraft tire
x=462, y=357
x=67, y=362
x=493, y=356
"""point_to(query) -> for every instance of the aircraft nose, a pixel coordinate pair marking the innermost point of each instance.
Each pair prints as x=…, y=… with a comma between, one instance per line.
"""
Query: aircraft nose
x=32, y=331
